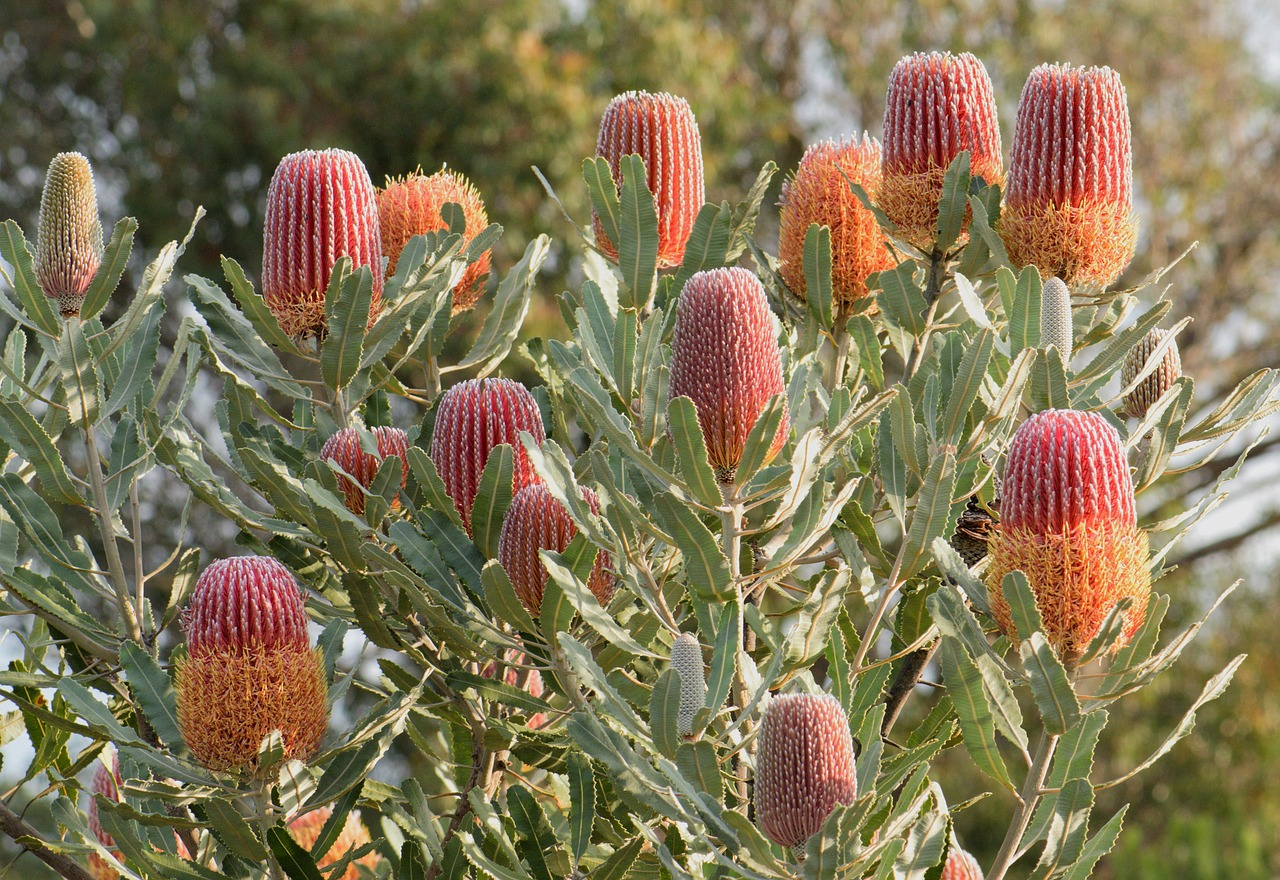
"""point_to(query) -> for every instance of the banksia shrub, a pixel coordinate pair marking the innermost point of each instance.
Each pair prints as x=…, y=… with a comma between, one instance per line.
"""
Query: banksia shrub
x=321, y=206
x=686, y=658
x=1069, y=204
x=1067, y=520
x=360, y=467
x=537, y=521
x=661, y=130
x=69, y=233
x=305, y=829
x=106, y=783
x=820, y=193
x=411, y=206
x=804, y=766
x=250, y=668
x=1148, y=391
x=1055, y=318
x=473, y=417
x=938, y=105
x=724, y=357
x=961, y=866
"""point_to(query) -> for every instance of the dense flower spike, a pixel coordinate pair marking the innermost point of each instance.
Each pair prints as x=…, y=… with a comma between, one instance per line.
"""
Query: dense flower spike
x=725, y=359
x=973, y=531
x=537, y=521
x=662, y=130
x=938, y=105
x=961, y=866
x=1069, y=204
x=321, y=206
x=305, y=829
x=250, y=668
x=686, y=658
x=69, y=233
x=411, y=206
x=1055, y=318
x=1068, y=521
x=473, y=417
x=820, y=193
x=344, y=450
x=106, y=783
x=1148, y=391
x=804, y=766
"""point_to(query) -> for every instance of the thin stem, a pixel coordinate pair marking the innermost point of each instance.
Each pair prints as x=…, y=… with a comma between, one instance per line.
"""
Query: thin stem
x=731, y=544
x=264, y=809
x=890, y=589
x=139, y=571
x=114, y=563
x=841, y=356
x=432, y=368
x=1031, y=793
x=30, y=840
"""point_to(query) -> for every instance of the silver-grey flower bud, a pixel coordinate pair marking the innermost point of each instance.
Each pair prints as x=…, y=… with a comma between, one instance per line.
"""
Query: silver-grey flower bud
x=686, y=658
x=1055, y=318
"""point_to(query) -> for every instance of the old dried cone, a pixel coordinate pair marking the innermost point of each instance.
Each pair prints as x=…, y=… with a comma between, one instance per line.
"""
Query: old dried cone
x=357, y=468
x=69, y=233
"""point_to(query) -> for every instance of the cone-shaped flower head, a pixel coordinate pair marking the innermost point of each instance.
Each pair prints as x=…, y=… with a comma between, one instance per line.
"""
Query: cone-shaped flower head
x=1069, y=203
x=411, y=206
x=1148, y=391
x=344, y=450
x=804, y=766
x=537, y=521
x=1068, y=521
x=250, y=668
x=661, y=130
x=69, y=233
x=106, y=783
x=1055, y=318
x=938, y=105
x=724, y=357
x=473, y=417
x=305, y=829
x=961, y=866
x=321, y=206
x=973, y=531
x=686, y=658
x=820, y=193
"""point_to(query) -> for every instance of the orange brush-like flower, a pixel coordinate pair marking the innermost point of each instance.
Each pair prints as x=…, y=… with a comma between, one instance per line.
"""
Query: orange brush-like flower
x=69, y=233
x=305, y=829
x=344, y=450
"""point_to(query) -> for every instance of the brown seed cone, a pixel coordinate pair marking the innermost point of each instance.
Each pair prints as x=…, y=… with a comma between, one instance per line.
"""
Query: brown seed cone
x=344, y=450
x=973, y=530
x=1148, y=391
x=961, y=866
x=305, y=829
x=68, y=233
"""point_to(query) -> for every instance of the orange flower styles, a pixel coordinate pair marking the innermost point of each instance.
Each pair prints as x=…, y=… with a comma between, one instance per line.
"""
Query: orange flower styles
x=305, y=829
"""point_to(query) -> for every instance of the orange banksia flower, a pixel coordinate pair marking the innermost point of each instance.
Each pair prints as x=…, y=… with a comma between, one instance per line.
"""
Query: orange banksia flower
x=1148, y=391
x=938, y=105
x=537, y=521
x=305, y=830
x=69, y=233
x=686, y=658
x=250, y=668
x=1069, y=204
x=804, y=766
x=1068, y=521
x=106, y=783
x=820, y=193
x=411, y=206
x=724, y=357
x=662, y=130
x=961, y=866
x=344, y=450
x=473, y=417
x=321, y=206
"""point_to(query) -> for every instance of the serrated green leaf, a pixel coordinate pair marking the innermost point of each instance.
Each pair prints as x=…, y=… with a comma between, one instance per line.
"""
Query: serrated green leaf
x=638, y=225
x=901, y=298
x=1024, y=317
x=664, y=710
x=95, y=713
x=862, y=332
x=698, y=763
x=1053, y=693
x=723, y=666
x=347, y=315
x=493, y=498
x=136, y=363
x=968, y=382
x=255, y=309
x=747, y=212
x=582, y=803
x=80, y=378
x=953, y=202
x=691, y=451
x=20, y=430
x=977, y=727
x=295, y=861
x=708, y=243
x=501, y=597
x=604, y=195
x=816, y=261
x=1097, y=847
x=348, y=768
x=413, y=866
x=15, y=251
x=932, y=516
x=510, y=306
x=1022, y=604
x=232, y=830
x=114, y=259
x=535, y=833
x=755, y=452
x=618, y=865
x=1049, y=382
x=154, y=692
x=706, y=568
x=234, y=335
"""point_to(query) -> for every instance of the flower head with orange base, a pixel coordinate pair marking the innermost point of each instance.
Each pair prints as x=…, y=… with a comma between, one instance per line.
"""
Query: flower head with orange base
x=69, y=233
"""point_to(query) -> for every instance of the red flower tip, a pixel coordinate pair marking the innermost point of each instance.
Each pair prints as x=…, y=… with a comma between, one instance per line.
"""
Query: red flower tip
x=344, y=450
x=245, y=603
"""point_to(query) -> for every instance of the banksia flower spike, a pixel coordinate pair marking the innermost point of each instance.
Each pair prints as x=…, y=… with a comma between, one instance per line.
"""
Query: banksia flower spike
x=250, y=668
x=473, y=417
x=820, y=193
x=106, y=783
x=1069, y=205
x=305, y=829
x=344, y=450
x=662, y=130
x=537, y=521
x=1068, y=521
x=961, y=866
x=1055, y=318
x=938, y=105
x=1148, y=391
x=411, y=206
x=686, y=658
x=804, y=766
x=725, y=359
x=321, y=206
x=69, y=233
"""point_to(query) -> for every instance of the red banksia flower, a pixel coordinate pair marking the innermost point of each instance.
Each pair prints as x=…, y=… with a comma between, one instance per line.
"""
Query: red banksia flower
x=961, y=866
x=411, y=206
x=69, y=233
x=473, y=417
x=662, y=130
x=250, y=668
x=106, y=783
x=321, y=206
x=938, y=105
x=305, y=829
x=1148, y=391
x=804, y=766
x=1068, y=521
x=344, y=450
x=1069, y=204
x=819, y=193
x=725, y=359
x=537, y=521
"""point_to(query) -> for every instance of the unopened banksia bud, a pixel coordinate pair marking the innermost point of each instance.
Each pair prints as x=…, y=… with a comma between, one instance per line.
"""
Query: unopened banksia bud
x=724, y=357
x=686, y=658
x=411, y=205
x=106, y=783
x=1148, y=391
x=1068, y=522
x=473, y=417
x=820, y=193
x=360, y=467
x=321, y=206
x=804, y=766
x=69, y=233
x=961, y=866
x=1055, y=318
x=250, y=668
x=1069, y=204
x=662, y=131
x=938, y=105
x=305, y=829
